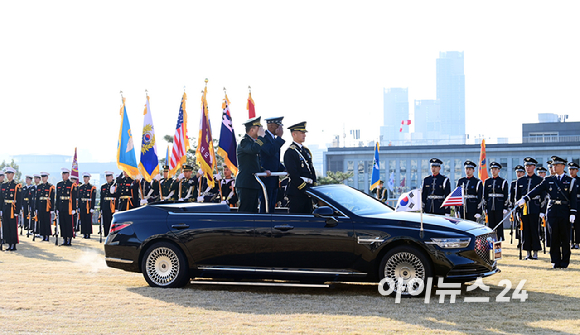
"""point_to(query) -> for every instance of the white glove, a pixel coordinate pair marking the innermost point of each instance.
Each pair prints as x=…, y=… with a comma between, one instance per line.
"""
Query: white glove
x=73, y=212
x=200, y=198
x=224, y=202
x=447, y=215
x=181, y=175
x=218, y=176
x=477, y=216
x=521, y=202
x=143, y=202
x=542, y=215
x=170, y=194
x=113, y=189
x=504, y=212
x=92, y=211
x=157, y=177
x=261, y=132
x=572, y=218
x=51, y=212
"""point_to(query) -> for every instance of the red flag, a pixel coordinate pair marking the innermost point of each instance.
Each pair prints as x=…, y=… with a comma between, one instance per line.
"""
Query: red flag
x=482, y=167
x=75, y=166
x=250, y=107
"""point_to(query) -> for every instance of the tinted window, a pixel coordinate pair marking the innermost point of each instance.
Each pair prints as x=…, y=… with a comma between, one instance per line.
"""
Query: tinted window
x=353, y=200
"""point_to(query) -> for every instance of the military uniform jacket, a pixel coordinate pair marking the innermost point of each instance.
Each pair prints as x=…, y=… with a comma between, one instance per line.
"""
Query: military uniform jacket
x=298, y=161
x=28, y=193
x=65, y=197
x=11, y=198
x=433, y=192
x=563, y=195
x=210, y=194
x=473, y=194
x=45, y=196
x=189, y=189
x=495, y=194
x=108, y=199
x=513, y=193
x=87, y=195
x=229, y=191
x=577, y=184
x=165, y=185
x=150, y=190
x=382, y=193
x=523, y=186
x=127, y=190
x=270, y=153
x=248, y=154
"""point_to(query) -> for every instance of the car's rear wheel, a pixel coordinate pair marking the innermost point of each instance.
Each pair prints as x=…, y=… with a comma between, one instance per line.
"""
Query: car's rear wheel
x=407, y=265
x=164, y=265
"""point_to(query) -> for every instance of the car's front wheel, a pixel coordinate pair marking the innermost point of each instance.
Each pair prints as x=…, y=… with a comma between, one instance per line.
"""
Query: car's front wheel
x=409, y=267
x=164, y=265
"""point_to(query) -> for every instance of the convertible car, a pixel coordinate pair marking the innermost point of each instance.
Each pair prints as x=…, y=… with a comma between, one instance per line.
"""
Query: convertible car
x=350, y=236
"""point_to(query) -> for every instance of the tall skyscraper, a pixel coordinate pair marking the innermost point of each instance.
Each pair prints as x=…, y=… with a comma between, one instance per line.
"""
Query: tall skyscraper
x=396, y=109
x=451, y=94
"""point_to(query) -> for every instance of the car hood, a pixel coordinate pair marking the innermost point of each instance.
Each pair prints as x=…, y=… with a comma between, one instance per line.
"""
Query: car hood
x=436, y=221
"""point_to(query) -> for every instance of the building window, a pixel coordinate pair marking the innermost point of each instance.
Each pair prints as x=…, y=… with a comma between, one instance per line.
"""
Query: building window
x=403, y=187
x=393, y=178
x=361, y=176
x=383, y=177
x=350, y=169
x=458, y=172
x=504, y=171
x=446, y=167
x=414, y=170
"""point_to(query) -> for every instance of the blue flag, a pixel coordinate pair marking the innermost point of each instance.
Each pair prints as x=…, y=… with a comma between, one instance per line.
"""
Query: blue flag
x=227, y=144
x=125, y=149
x=376, y=176
x=149, y=163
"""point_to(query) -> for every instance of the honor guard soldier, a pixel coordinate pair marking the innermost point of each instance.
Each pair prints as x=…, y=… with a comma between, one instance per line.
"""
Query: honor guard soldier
x=185, y=188
x=495, y=199
x=10, y=204
x=380, y=192
x=75, y=191
x=209, y=194
x=561, y=210
x=520, y=172
x=65, y=206
x=270, y=160
x=228, y=191
x=575, y=233
x=108, y=202
x=551, y=167
x=127, y=193
x=435, y=189
x=544, y=233
x=165, y=185
x=45, y=206
x=532, y=211
x=542, y=172
x=298, y=161
x=149, y=190
x=248, y=155
x=472, y=193
x=87, y=194
x=28, y=191
x=34, y=220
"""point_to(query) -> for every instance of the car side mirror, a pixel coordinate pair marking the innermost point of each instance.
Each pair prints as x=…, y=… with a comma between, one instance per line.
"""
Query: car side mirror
x=323, y=212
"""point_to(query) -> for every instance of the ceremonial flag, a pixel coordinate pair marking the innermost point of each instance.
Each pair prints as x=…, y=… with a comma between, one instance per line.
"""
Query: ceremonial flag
x=251, y=107
x=74, y=172
x=455, y=198
x=205, y=154
x=126, y=160
x=167, y=156
x=376, y=169
x=227, y=144
x=180, y=140
x=409, y=202
x=404, y=122
x=482, y=167
x=391, y=183
x=149, y=163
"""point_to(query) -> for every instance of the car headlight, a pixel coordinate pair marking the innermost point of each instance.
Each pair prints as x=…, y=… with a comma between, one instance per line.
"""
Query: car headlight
x=451, y=243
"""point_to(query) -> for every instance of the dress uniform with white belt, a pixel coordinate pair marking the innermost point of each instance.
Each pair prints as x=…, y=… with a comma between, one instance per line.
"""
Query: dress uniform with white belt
x=435, y=189
x=561, y=210
x=10, y=204
x=108, y=202
x=270, y=160
x=575, y=233
x=34, y=219
x=28, y=191
x=127, y=193
x=472, y=193
x=495, y=198
x=45, y=206
x=228, y=188
x=532, y=211
x=87, y=195
x=75, y=192
x=165, y=185
x=66, y=207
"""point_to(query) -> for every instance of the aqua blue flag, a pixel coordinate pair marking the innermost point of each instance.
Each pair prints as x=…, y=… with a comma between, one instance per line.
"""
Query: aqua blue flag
x=125, y=149
x=376, y=176
x=149, y=163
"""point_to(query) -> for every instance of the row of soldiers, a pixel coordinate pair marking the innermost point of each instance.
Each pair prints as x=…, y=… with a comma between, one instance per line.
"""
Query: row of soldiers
x=535, y=198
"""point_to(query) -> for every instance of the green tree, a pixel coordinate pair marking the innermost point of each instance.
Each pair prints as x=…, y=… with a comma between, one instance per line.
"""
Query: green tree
x=18, y=174
x=334, y=177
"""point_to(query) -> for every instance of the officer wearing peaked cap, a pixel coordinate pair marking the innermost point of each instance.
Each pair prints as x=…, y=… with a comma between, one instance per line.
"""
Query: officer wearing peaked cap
x=298, y=161
x=435, y=189
x=542, y=172
x=10, y=204
x=533, y=210
x=127, y=193
x=108, y=202
x=86, y=201
x=575, y=233
x=66, y=207
x=520, y=171
x=473, y=193
x=75, y=190
x=186, y=188
x=495, y=198
x=270, y=160
x=28, y=191
x=561, y=210
x=45, y=206
x=165, y=185
x=248, y=154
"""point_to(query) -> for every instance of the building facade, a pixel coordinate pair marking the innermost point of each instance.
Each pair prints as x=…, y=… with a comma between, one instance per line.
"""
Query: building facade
x=395, y=110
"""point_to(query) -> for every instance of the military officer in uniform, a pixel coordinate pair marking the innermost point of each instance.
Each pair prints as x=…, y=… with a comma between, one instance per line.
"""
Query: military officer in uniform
x=298, y=161
x=228, y=190
x=542, y=172
x=380, y=192
x=65, y=206
x=472, y=193
x=435, y=189
x=108, y=202
x=75, y=190
x=127, y=193
x=551, y=167
x=520, y=172
x=186, y=187
x=45, y=206
x=27, y=200
x=495, y=199
x=561, y=210
x=10, y=204
x=532, y=211
x=248, y=155
x=87, y=195
x=575, y=233
x=165, y=185
x=149, y=190
x=270, y=160
x=34, y=220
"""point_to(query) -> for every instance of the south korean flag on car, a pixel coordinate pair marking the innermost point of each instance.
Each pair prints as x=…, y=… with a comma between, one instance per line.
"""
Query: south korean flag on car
x=409, y=202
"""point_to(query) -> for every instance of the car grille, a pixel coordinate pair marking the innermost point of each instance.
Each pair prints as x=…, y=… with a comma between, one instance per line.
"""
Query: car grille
x=483, y=245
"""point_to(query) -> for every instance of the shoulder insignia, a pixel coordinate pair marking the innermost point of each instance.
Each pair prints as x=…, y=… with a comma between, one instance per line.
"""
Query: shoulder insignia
x=292, y=146
x=260, y=143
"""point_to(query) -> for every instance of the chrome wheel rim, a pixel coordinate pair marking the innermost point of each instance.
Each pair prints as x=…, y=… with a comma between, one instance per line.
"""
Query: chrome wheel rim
x=162, y=266
x=406, y=267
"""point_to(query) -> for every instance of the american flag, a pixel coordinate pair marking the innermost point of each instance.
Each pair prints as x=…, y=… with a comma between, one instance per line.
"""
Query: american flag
x=455, y=198
x=180, y=140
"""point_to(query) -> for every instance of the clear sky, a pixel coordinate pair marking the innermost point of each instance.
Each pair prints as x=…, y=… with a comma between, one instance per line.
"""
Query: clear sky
x=63, y=63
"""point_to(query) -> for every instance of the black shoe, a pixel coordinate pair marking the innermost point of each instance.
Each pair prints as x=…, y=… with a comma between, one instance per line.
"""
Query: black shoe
x=555, y=266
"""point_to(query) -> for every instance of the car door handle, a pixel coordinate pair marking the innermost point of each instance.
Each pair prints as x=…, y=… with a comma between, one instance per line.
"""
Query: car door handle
x=284, y=227
x=180, y=226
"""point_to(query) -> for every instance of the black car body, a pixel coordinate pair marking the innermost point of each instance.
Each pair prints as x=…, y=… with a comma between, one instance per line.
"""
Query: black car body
x=349, y=237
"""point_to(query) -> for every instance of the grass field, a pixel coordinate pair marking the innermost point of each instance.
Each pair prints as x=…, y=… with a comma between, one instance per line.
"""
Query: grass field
x=50, y=289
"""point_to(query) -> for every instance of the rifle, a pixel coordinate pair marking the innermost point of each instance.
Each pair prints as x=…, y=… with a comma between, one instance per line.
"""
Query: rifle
x=29, y=223
x=34, y=231
x=543, y=225
x=1, y=234
x=512, y=229
x=100, y=228
x=521, y=228
x=56, y=227
x=21, y=222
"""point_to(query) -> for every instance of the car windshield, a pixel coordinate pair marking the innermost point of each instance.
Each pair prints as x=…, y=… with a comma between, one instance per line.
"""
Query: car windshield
x=355, y=201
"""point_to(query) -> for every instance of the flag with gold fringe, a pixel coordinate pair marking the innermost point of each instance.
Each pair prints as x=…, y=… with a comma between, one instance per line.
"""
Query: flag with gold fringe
x=205, y=153
x=149, y=163
x=227, y=144
x=126, y=160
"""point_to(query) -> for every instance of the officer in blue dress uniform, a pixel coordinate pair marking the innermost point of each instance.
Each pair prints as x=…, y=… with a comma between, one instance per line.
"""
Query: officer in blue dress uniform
x=10, y=203
x=298, y=161
x=561, y=210
x=473, y=193
x=270, y=160
x=66, y=207
x=575, y=233
x=495, y=198
x=533, y=211
x=544, y=234
x=435, y=189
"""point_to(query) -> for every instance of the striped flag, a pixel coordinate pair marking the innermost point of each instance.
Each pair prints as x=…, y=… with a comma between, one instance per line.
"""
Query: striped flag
x=227, y=144
x=455, y=198
x=180, y=140
x=204, y=153
x=404, y=122
x=482, y=169
x=250, y=106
